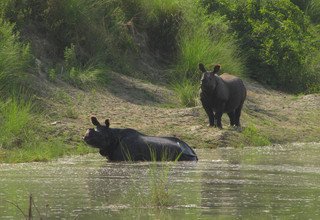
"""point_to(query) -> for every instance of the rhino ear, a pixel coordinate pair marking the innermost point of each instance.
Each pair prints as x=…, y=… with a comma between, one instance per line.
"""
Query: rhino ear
x=202, y=68
x=216, y=68
x=107, y=122
x=95, y=121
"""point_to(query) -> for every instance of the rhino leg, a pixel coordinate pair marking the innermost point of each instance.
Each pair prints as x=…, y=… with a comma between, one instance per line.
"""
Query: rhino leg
x=232, y=118
x=210, y=115
x=237, y=115
x=218, y=116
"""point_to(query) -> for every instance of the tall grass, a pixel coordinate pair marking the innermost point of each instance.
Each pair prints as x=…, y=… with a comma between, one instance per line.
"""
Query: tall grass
x=207, y=39
x=203, y=39
x=156, y=192
x=24, y=137
x=154, y=7
x=15, y=120
x=15, y=58
x=161, y=194
x=187, y=92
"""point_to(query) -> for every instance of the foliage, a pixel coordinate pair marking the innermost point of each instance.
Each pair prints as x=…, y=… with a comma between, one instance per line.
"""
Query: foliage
x=206, y=39
x=93, y=30
x=15, y=58
x=276, y=37
x=202, y=39
x=310, y=7
x=70, y=57
x=163, y=21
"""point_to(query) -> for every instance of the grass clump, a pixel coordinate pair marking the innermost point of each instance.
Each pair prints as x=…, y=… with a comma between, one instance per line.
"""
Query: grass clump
x=253, y=137
x=188, y=93
x=157, y=191
x=159, y=184
x=209, y=41
x=15, y=59
x=15, y=119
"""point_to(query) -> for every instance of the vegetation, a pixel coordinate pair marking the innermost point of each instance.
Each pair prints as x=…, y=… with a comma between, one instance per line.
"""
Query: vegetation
x=160, y=193
x=279, y=42
x=79, y=42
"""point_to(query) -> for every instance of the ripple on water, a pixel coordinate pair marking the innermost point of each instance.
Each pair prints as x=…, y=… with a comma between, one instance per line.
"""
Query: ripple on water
x=272, y=182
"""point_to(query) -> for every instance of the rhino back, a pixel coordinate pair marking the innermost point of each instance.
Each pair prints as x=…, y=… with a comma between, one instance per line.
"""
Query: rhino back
x=142, y=147
x=236, y=92
x=121, y=143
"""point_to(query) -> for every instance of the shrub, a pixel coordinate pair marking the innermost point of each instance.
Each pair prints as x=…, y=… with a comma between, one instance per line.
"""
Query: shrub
x=94, y=30
x=162, y=26
x=310, y=7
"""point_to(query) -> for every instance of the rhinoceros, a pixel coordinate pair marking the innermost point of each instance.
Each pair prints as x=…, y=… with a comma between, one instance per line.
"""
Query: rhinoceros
x=221, y=94
x=130, y=145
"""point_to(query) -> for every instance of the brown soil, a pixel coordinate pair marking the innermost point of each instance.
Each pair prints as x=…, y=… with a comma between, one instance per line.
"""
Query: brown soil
x=152, y=109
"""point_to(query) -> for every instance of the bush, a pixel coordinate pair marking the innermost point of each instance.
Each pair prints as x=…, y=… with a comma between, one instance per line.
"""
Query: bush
x=94, y=30
x=162, y=26
x=276, y=38
x=310, y=7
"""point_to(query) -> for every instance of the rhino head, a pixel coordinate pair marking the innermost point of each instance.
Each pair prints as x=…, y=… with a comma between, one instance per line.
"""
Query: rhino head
x=209, y=78
x=100, y=137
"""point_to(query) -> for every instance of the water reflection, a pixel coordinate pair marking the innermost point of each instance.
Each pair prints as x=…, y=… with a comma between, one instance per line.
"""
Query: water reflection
x=269, y=182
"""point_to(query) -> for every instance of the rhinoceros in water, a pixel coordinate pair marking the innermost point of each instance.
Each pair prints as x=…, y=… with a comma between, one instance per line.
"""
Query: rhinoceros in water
x=130, y=145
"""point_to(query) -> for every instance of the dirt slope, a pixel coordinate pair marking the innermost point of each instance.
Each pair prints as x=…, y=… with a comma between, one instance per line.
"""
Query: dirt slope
x=128, y=102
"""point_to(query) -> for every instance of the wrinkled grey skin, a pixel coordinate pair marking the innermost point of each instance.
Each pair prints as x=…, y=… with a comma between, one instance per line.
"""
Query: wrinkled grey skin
x=221, y=94
x=130, y=145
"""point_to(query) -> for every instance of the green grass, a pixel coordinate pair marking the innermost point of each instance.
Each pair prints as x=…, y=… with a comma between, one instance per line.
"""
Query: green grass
x=15, y=58
x=253, y=136
x=154, y=7
x=188, y=92
x=42, y=151
x=161, y=194
x=15, y=123
x=25, y=138
x=202, y=39
x=156, y=192
x=310, y=7
x=206, y=39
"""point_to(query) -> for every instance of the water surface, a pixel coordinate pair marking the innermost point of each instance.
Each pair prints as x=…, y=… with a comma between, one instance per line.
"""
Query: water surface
x=275, y=182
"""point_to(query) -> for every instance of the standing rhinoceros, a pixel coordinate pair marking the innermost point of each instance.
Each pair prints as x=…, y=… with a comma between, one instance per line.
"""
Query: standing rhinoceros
x=221, y=94
x=130, y=145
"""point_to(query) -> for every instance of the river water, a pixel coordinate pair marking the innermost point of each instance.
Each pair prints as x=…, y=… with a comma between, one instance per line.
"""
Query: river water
x=273, y=182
